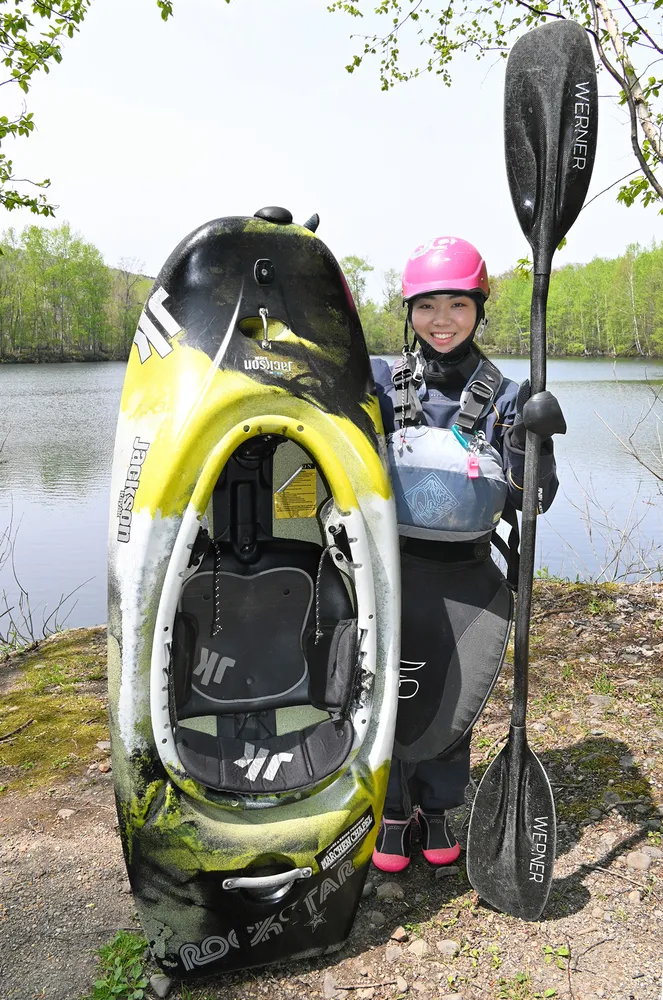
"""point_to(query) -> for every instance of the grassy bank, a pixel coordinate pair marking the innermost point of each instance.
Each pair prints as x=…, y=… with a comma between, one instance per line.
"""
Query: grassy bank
x=586, y=640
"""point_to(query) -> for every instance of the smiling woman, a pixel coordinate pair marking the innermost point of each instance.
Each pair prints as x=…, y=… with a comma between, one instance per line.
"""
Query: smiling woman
x=444, y=321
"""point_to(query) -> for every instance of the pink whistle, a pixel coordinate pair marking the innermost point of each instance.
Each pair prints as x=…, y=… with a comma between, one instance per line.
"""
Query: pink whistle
x=473, y=466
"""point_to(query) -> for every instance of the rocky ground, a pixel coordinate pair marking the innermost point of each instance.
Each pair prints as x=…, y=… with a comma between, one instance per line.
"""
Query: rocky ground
x=596, y=723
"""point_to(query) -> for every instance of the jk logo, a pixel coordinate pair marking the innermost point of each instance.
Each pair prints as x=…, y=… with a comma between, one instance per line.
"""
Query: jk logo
x=148, y=335
x=408, y=686
x=212, y=666
x=255, y=761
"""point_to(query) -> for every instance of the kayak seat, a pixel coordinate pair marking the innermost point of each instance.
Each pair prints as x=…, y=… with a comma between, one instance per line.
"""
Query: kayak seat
x=270, y=648
x=275, y=764
x=285, y=635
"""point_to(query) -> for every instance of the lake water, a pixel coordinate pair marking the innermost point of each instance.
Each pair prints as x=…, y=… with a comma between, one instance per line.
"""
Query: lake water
x=57, y=427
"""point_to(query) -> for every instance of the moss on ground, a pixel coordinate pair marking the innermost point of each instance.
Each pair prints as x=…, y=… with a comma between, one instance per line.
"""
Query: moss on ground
x=52, y=709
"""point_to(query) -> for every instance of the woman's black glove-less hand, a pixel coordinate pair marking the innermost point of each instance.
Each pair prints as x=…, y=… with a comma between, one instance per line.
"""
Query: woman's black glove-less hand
x=540, y=413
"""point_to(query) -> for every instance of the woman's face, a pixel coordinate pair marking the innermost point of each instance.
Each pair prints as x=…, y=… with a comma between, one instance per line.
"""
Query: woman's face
x=444, y=321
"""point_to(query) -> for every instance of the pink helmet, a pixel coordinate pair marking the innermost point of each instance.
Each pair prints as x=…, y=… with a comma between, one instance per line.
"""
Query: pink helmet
x=445, y=264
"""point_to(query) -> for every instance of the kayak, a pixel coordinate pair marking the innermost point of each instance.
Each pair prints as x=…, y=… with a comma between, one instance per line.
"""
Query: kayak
x=253, y=647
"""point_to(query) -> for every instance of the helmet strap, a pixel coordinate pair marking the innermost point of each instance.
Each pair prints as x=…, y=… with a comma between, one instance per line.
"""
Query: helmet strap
x=406, y=336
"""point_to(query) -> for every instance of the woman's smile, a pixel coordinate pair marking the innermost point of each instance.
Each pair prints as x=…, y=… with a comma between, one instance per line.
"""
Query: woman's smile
x=444, y=320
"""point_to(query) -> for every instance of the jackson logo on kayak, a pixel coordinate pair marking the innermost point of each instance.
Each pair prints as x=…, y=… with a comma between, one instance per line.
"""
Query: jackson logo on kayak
x=125, y=501
x=254, y=762
x=148, y=334
x=537, y=862
x=581, y=110
x=261, y=363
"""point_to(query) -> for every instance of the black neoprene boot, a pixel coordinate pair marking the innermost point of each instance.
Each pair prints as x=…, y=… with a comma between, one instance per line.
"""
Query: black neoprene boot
x=392, y=848
x=439, y=846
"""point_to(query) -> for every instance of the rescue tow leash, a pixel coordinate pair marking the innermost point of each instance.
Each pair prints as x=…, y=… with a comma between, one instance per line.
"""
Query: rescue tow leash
x=551, y=117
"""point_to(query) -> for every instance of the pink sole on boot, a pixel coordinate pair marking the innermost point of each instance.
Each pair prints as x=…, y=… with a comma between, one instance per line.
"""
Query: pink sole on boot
x=445, y=856
x=390, y=862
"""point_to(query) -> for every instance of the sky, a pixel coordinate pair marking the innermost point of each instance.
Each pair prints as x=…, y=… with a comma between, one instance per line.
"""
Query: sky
x=149, y=129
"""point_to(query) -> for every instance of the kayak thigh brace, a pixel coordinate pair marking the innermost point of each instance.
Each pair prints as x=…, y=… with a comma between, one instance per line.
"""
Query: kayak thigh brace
x=456, y=621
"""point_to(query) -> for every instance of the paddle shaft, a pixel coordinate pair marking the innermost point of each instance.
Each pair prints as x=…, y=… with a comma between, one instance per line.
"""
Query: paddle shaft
x=530, y=503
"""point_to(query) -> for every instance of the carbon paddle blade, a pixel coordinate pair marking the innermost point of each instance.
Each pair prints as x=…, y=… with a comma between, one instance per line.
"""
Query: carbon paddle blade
x=512, y=833
x=551, y=120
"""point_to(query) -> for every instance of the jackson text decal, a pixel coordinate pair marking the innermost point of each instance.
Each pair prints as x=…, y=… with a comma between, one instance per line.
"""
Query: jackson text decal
x=125, y=501
x=261, y=363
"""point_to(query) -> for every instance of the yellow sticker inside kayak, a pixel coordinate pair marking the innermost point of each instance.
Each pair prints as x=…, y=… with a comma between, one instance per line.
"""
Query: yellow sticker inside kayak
x=297, y=496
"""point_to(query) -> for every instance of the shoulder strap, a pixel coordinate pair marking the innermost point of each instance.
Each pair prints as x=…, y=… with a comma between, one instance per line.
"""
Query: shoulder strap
x=479, y=395
x=407, y=376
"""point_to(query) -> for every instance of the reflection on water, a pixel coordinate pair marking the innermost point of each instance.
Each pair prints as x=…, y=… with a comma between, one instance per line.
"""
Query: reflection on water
x=59, y=422
x=58, y=426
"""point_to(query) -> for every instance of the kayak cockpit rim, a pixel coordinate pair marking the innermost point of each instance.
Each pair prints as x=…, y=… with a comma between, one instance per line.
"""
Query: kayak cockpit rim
x=342, y=510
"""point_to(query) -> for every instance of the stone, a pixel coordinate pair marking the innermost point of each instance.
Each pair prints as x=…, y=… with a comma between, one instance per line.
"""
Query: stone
x=329, y=986
x=105, y=766
x=377, y=919
x=539, y=727
x=597, y=913
x=641, y=809
x=610, y=798
x=401, y=984
x=418, y=948
x=65, y=813
x=451, y=996
x=367, y=993
x=367, y=890
x=596, y=732
x=595, y=814
x=400, y=934
x=393, y=953
x=390, y=891
x=445, y=870
x=653, y=852
x=103, y=745
x=638, y=861
x=448, y=948
x=608, y=840
x=600, y=701
x=161, y=984
x=634, y=896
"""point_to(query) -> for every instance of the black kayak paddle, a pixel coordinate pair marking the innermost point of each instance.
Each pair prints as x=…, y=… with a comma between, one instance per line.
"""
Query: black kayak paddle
x=551, y=117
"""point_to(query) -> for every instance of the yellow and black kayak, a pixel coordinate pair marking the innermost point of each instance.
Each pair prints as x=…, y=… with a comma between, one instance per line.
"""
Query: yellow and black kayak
x=253, y=602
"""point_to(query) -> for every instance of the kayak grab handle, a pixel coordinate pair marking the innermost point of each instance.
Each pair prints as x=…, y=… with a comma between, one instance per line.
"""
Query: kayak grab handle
x=267, y=881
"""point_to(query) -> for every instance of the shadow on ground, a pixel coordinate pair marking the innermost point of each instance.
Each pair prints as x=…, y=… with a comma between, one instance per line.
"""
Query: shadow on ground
x=594, y=774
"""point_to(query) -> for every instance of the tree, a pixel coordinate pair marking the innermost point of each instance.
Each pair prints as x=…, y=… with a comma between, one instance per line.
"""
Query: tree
x=629, y=44
x=354, y=269
x=31, y=33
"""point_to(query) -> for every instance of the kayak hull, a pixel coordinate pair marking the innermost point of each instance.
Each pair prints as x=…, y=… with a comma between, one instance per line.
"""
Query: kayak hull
x=251, y=723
